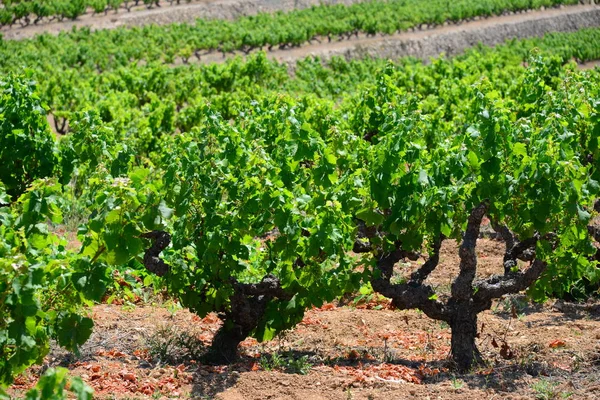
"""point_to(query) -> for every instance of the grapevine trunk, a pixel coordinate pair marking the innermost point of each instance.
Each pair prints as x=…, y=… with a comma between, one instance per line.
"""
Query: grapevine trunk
x=463, y=324
x=223, y=349
x=238, y=323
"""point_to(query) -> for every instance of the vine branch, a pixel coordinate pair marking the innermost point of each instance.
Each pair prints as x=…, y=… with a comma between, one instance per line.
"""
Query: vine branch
x=431, y=264
x=462, y=285
x=152, y=261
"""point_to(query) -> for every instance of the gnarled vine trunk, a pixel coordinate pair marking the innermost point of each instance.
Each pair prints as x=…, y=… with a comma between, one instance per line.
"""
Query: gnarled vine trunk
x=468, y=296
x=237, y=326
x=247, y=304
x=463, y=349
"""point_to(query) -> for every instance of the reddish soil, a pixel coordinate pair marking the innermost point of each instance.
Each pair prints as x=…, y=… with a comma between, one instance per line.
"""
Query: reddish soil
x=358, y=351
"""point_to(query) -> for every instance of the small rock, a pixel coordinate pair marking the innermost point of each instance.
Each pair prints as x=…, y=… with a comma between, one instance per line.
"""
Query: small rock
x=96, y=376
x=128, y=376
x=156, y=373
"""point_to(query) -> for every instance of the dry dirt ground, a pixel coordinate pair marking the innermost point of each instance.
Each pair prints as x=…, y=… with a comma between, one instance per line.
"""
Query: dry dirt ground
x=590, y=65
x=360, y=350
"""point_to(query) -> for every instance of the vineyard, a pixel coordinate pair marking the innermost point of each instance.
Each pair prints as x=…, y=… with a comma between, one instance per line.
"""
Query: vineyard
x=325, y=228
x=369, y=16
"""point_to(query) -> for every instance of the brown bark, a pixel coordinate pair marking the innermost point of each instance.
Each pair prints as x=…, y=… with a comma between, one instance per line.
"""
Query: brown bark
x=248, y=305
x=463, y=325
x=429, y=266
x=152, y=260
x=463, y=320
x=462, y=287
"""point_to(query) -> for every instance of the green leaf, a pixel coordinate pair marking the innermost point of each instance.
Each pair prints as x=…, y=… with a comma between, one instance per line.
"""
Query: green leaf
x=139, y=176
x=81, y=389
x=164, y=210
x=90, y=280
x=423, y=177
x=520, y=149
x=73, y=330
x=267, y=333
x=370, y=216
x=446, y=230
x=473, y=160
x=583, y=215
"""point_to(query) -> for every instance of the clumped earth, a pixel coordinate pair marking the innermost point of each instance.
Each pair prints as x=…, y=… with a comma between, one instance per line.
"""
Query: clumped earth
x=357, y=349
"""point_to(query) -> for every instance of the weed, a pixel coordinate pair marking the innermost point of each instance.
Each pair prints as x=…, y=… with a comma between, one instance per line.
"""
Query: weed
x=513, y=305
x=172, y=306
x=274, y=362
x=349, y=395
x=365, y=294
x=168, y=344
x=387, y=354
x=578, y=360
x=128, y=306
x=289, y=365
x=457, y=383
x=299, y=366
x=548, y=390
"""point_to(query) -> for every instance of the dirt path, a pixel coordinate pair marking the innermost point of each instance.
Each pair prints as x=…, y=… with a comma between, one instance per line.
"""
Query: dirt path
x=589, y=65
x=449, y=39
x=454, y=39
x=221, y=9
